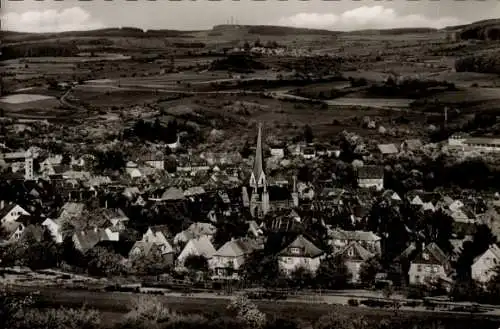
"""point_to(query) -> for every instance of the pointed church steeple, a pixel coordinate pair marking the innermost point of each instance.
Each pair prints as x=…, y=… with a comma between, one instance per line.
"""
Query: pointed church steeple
x=258, y=178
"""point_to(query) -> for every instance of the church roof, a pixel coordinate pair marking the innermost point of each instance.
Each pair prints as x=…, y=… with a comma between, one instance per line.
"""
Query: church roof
x=258, y=165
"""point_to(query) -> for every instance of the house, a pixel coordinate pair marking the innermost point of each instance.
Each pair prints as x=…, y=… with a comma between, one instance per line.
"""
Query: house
x=370, y=176
x=333, y=152
x=116, y=217
x=456, y=205
x=300, y=253
x=309, y=153
x=131, y=193
x=155, y=160
x=31, y=233
x=277, y=151
x=133, y=170
x=354, y=255
x=202, y=229
x=11, y=212
x=145, y=248
x=387, y=149
x=484, y=265
x=339, y=239
x=158, y=234
x=54, y=228
x=392, y=197
x=171, y=194
x=194, y=191
x=411, y=145
x=486, y=144
x=457, y=247
x=87, y=239
x=457, y=139
x=430, y=264
x=13, y=231
x=193, y=166
x=200, y=246
x=183, y=237
x=228, y=259
x=71, y=210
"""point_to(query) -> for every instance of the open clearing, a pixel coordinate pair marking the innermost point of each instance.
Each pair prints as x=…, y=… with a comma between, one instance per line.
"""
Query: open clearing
x=371, y=102
x=23, y=98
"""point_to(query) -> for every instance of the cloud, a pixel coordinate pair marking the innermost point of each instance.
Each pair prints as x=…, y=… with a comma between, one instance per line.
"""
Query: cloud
x=70, y=19
x=375, y=17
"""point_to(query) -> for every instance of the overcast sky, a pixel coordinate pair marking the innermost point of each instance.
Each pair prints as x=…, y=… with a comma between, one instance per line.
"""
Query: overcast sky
x=54, y=16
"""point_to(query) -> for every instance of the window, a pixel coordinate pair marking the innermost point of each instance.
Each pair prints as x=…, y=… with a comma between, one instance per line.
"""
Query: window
x=427, y=268
x=419, y=268
x=295, y=251
x=350, y=252
x=417, y=279
x=425, y=256
x=435, y=269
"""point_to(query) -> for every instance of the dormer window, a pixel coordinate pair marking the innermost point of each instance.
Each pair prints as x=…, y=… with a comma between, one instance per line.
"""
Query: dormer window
x=425, y=256
x=295, y=251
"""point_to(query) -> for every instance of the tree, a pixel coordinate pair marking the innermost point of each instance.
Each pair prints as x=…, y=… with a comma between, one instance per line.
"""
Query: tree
x=440, y=229
x=66, y=159
x=232, y=227
x=113, y=160
x=308, y=134
x=153, y=263
x=301, y=278
x=369, y=270
x=196, y=263
x=69, y=254
x=246, y=151
x=102, y=262
x=261, y=268
x=481, y=240
x=332, y=273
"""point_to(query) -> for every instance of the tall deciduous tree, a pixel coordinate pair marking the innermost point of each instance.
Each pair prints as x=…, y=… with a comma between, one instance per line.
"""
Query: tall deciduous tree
x=332, y=273
x=261, y=268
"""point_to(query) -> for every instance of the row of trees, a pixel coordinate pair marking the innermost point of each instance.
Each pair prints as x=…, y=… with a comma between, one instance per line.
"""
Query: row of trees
x=263, y=269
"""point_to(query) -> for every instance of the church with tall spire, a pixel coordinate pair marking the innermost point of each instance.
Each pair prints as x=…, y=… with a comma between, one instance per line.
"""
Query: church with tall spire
x=259, y=200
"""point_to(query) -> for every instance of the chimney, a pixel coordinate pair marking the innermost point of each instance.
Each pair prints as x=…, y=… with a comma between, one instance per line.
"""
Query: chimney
x=106, y=204
x=423, y=245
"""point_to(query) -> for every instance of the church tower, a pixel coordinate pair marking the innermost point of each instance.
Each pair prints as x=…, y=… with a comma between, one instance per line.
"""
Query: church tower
x=258, y=178
x=259, y=201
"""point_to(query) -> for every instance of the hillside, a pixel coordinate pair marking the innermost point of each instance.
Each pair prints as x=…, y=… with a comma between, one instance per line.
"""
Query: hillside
x=488, y=29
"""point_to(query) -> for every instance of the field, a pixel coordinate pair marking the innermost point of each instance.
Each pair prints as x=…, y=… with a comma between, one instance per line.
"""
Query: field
x=118, y=69
x=114, y=305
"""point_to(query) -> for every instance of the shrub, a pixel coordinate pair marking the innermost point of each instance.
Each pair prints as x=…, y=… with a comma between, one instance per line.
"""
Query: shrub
x=149, y=309
x=353, y=302
x=247, y=312
x=57, y=319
